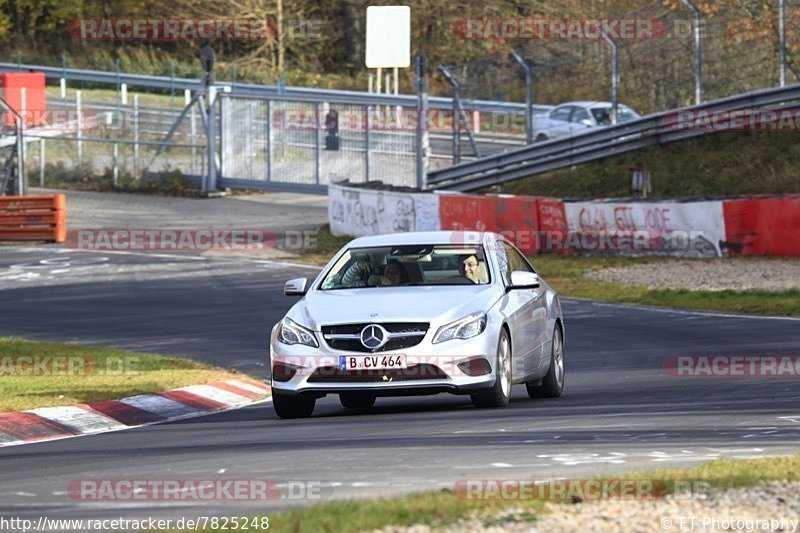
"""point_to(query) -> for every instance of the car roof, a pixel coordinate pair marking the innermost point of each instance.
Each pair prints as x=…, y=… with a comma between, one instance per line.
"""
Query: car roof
x=424, y=237
x=591, y=103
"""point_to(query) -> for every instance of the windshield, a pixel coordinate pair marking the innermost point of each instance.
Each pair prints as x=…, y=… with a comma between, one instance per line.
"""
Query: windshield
x=397, y=266
x=602, y=115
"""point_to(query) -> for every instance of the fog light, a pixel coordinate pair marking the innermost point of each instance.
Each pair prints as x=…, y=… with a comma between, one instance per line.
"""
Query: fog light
x=283, y=371
x=475, y=367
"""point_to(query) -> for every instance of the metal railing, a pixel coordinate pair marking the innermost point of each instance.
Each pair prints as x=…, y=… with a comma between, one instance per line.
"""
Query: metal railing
x=600, y=143
x=295, y=93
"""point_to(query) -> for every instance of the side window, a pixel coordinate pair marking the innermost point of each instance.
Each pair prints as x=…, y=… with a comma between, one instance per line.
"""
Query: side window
x=515, y=261
x=580, y=114
x=502, y=262
x=561, y=113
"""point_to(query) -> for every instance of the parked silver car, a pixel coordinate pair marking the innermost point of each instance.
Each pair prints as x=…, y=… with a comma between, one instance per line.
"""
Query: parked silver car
x=418, y=313
x=570, y=118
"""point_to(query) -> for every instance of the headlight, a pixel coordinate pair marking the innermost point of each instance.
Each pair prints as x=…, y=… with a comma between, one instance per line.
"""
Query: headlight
x=290, y=332
x=464, y=328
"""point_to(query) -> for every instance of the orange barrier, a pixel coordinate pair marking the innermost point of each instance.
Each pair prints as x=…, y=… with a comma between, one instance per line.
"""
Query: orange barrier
x=33, y=218
x=467, y=212
x=518, y=220
x=762, y=226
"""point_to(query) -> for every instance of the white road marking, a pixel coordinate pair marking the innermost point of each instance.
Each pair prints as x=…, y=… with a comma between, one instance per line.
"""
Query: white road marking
x=81, y=420
x=218, y=395
x=159, y=405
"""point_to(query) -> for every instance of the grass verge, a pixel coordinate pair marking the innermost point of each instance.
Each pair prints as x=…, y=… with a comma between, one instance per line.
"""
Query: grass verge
x=43, y=374
x=446, y=508
x=566, y=274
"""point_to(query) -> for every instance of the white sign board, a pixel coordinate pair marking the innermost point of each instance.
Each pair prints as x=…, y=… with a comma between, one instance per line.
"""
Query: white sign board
x=388, y=36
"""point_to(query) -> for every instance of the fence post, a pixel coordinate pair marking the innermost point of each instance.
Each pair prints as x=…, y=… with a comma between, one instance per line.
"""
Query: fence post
x=269, y=140
x=187, y=99
x=420, y=67
x=63, y=81
x=41, y=162
x=528, y=67
x=318, y=144
x=117, y=66
x=698, y=54
x=614, y=75
x=211, y=123
x=79, y=133
x=456, y=115
x=782, y=38
x=136, y=136
x=21, y=181
x=366, y=143
x=115, y=161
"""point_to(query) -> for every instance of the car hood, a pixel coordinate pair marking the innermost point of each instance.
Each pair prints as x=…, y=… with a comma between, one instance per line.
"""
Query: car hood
x=440, y=304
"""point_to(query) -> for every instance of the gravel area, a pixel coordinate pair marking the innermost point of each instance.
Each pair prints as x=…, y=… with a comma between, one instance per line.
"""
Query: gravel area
x=773, y=506
x=739, y=274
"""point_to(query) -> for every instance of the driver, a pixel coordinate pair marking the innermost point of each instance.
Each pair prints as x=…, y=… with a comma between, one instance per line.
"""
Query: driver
x=470, y=267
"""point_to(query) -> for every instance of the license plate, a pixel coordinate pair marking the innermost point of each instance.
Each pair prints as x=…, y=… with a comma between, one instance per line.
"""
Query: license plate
x=369, y=362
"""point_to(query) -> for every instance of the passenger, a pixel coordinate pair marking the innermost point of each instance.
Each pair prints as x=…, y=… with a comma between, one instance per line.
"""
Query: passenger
x=357, y=273
x=470, y=267
x=395, y=273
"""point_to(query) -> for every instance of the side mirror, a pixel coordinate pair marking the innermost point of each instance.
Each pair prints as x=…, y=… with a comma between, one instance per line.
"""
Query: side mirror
x=586, y=122
x=521, y=279
x=295, y=287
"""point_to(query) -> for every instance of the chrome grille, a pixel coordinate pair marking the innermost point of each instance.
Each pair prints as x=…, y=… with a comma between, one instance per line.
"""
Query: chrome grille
x=401, y=335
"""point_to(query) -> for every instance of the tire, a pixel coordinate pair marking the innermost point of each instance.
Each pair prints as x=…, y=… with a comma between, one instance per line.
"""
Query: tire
x=293, y=406
x=541, y=138
x=357, y=400
x=553, y=383
x=500, y=393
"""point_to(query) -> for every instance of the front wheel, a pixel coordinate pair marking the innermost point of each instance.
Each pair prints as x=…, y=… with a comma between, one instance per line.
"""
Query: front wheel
x=500, y=393
x=293, y=406
x=553, y=383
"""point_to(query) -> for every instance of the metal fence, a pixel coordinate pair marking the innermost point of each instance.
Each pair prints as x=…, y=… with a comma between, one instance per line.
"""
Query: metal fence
x=148, y=141
x=740, y=51
x=102, y=143
x=275, y=143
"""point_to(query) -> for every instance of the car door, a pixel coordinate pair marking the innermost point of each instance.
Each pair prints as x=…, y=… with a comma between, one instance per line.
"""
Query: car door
x=536, y=321
x=523, y=309
x=557, y=123
x=578, y=120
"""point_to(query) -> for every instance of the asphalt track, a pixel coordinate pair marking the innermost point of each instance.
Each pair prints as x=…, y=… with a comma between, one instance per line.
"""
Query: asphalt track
x=621, y=411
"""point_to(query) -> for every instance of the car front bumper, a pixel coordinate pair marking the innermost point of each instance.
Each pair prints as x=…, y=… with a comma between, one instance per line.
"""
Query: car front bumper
x=318, y=372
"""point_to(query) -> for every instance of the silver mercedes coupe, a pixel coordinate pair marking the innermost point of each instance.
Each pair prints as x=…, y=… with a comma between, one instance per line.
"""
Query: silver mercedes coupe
x=418, y=313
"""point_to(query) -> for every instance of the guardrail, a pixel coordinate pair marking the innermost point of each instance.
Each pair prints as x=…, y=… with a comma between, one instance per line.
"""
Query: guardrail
x=273, y=91
x=601, y=142
x=33, y=218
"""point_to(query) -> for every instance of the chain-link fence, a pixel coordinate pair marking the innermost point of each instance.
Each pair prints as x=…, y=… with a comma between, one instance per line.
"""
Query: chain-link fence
x=292, y=143
x=739, y=53
x=145, y=142
x=99, y=142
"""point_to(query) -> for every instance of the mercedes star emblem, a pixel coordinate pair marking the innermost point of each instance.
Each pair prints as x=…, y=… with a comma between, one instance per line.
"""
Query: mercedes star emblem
x=373, y=336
